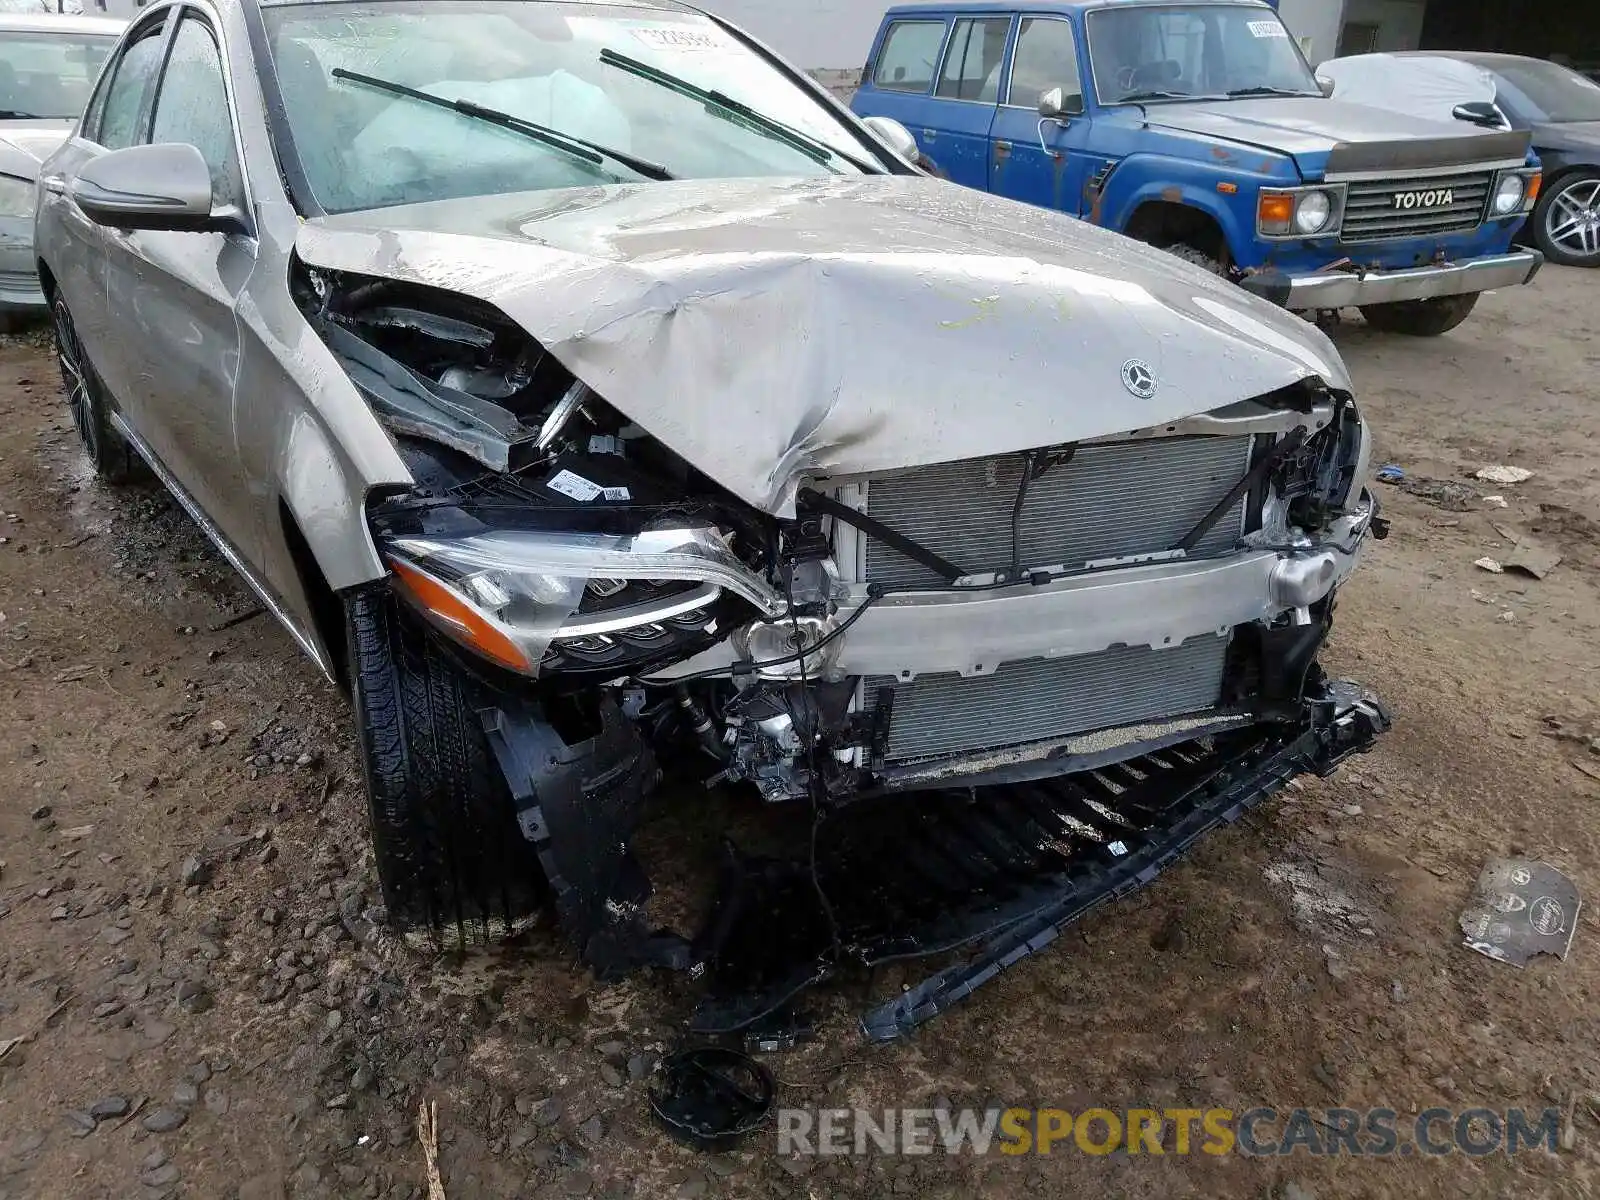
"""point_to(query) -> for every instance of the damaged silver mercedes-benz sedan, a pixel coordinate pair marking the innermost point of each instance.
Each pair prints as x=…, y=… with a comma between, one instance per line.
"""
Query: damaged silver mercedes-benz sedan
x=603, y=404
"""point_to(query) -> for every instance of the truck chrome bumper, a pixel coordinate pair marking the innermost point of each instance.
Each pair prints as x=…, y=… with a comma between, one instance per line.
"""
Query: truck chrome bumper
x=1348, y=290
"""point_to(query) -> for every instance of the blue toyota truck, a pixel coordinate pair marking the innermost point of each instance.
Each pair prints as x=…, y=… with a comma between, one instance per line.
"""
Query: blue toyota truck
x=1200, y=128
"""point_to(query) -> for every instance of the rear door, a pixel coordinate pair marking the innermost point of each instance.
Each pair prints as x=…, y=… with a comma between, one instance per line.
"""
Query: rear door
x=965, y=95
x=1043, y=162
x=174, y=295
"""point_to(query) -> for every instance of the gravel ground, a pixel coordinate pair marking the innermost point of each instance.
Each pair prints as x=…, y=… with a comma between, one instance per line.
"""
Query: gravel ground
x=207, y=1007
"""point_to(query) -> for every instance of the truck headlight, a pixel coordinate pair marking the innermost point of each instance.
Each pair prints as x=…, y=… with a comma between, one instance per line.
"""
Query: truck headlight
x=16, y=197
x=1299, y=212
x=1508, y=195
x=1313, y=212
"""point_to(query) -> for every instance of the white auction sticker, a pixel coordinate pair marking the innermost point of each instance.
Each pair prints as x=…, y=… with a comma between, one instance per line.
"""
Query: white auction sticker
x=575, y=486
x=1268, y=29
x=676, y=38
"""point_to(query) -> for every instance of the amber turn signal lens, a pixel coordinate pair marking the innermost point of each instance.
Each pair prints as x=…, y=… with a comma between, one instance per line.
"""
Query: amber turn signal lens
x=457, y=617
x=1277, y=212
x=1534, y=181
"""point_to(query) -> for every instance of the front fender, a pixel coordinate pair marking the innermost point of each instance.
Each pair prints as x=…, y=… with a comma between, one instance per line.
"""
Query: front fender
x=1134, y=184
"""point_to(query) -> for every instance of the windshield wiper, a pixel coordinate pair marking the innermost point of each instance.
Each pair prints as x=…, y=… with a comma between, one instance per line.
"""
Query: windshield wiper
x=11, y=114
x=735, y=110
x=567, y=143
x=1269, y=91
x=1155, y=94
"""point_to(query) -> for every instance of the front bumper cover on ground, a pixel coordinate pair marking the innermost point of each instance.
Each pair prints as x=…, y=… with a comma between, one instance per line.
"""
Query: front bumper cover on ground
x=1339, y=289
x=1002, y=869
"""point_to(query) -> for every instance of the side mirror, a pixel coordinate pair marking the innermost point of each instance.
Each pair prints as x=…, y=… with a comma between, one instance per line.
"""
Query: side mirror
x=1053, y=106
x=1325, y=85
x=166, y=186
x=895, y=135
x=1478, y=112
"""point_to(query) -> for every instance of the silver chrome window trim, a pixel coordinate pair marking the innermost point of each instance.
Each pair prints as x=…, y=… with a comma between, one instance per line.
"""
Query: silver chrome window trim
x=949, y=43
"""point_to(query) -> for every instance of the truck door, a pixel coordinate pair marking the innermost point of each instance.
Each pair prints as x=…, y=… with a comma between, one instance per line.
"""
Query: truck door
x=1043, y=162
x=965, y=99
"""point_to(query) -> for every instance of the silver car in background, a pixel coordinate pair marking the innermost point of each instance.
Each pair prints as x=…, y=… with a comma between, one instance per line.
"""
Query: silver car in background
x=48, y=63
x=596, y=398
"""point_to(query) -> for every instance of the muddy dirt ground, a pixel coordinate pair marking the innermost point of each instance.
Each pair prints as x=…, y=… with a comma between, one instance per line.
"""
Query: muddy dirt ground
x=187, y=944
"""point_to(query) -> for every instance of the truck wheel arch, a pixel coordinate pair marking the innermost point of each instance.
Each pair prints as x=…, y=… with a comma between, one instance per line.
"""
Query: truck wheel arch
x=1166, y=221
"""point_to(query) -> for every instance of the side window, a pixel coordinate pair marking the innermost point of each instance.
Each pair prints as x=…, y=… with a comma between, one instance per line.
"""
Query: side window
x=972, y=64
x=1046, y=57
x=118, y=118
x=192, y=107
x=909, y=55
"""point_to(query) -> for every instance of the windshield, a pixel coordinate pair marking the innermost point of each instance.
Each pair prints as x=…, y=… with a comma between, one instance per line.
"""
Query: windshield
x=1185, y=50
x=1552, y=92
x=49, y=75
x=654, y=94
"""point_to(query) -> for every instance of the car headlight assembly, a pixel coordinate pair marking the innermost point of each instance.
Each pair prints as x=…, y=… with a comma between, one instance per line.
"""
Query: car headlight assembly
x=540, y=603
x=16, y=196
x=1510, y=195
x=1299, y=212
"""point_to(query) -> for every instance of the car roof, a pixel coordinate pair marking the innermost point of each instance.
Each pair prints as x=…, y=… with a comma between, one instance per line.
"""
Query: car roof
x=60, y=23
x=1054, y=5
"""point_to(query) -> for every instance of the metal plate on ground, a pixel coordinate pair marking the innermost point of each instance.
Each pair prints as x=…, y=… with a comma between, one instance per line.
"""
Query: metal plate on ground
x=1521, y=908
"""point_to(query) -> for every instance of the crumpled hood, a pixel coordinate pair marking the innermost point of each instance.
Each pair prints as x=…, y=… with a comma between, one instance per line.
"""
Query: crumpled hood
x=1308, y=128
x=24, y=145
x=768, y=330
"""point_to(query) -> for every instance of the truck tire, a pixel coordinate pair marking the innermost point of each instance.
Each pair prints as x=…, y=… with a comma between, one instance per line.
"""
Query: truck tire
x=1421, y=318
x=451, y=857
x=1200, y=258
x=113, y=460
x=1565, y=220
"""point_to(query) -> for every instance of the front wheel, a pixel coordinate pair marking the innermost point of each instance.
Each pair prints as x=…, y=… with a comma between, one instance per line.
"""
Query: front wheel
x=1421, y=318
x=451, y=856
x=109, y=453
x=1566, y=221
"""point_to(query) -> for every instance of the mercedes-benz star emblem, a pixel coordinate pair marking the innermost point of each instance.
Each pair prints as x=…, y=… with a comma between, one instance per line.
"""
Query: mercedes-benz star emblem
x=1138, y=378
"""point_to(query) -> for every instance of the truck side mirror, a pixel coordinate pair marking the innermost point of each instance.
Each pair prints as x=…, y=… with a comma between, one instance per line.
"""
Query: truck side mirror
x=1053, y=106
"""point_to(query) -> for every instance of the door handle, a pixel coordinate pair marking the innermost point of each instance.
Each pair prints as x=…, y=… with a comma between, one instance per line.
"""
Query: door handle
x=1002, y=149
x=930, y=134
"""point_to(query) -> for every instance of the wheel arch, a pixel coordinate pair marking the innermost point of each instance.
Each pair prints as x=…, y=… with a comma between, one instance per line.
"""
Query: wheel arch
x=1170, y=216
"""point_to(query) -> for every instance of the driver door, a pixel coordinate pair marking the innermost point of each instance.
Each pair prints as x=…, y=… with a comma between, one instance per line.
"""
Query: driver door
x=174, y=296
x=1043, y=162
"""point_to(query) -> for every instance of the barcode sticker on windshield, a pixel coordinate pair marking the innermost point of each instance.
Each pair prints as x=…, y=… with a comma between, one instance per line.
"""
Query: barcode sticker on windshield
x=1267, y=29
x=661, y=38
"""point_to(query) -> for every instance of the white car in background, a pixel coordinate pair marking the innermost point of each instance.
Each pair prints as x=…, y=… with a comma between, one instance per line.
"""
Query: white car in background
x=48, y=65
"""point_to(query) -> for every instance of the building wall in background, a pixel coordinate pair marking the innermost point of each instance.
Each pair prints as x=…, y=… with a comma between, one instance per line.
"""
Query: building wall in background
x=1316, y=21
x=1394, y=24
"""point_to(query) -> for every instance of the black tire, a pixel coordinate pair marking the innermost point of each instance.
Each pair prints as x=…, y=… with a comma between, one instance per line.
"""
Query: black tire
x=1421, y=318
x=1558, y=209
x=1200, y=258
x=114, y=461
x=452, y=860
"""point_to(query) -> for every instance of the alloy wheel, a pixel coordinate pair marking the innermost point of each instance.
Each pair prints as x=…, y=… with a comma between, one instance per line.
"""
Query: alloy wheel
x=75, y=379
x=1572, y=220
